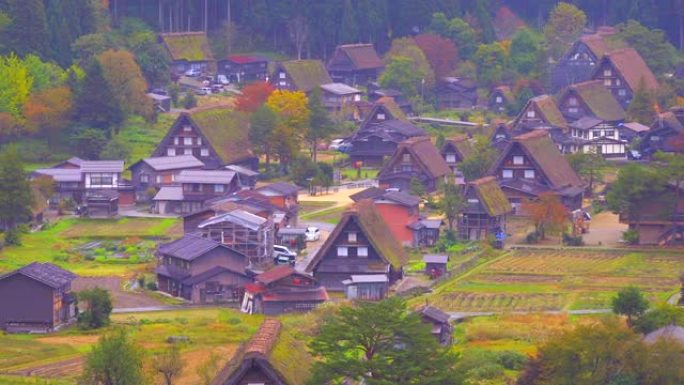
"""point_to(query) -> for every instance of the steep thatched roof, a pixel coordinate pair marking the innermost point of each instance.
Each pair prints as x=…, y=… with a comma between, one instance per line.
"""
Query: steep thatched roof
x=546, y=106
x=546, y=155
x=424, y=152
x=461, y=144
x=599, y=100
x=226, y=130
x=491, y=196
x=275, y=348
x=632, y=68
x=306, y=74
x=190, y=46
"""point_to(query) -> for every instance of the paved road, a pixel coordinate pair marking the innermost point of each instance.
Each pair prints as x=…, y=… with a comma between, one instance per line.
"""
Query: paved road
x=458, y=316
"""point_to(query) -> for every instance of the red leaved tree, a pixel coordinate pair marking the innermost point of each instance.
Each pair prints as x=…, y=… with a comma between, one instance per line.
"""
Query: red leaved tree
x=49, y=111
x=547, y=213
x=253, y=96
x=441, y=53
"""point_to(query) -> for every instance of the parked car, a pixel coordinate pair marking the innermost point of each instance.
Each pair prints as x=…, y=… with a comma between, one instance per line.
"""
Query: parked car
x=283, y=250
x=634, y=155
x=335, y=144
x=204, y=91
x=282, y=259
x=312, y=234
x=192, y=72
x=345, y=147
x=222, y=79
x=216, y=88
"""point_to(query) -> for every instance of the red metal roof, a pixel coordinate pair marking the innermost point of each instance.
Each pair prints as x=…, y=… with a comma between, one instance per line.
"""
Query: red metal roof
x=275, y=274
x=243, y=59
x=319, y=294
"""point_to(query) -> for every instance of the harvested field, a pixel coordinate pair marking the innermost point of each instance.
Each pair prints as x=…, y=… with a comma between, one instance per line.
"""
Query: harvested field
x=120, y=298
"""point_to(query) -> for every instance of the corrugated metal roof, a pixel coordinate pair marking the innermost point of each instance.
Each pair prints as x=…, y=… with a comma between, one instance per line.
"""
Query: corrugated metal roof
x=280, y=188
x=189, y=247
x=205, y=176
x=173, y=162
x=435, y=258
x=240, y=217
x=169, y=193
x=371, y=278
x=102, y=166
x=60, y=174
x=241, y=170
x=339, y=89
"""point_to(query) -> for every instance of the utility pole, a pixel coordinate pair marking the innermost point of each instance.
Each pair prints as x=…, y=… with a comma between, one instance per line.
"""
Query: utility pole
x=206, y=16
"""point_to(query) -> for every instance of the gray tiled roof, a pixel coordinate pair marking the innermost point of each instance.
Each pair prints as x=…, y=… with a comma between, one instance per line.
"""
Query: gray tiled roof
x=280, y=187
x=435, y=314
x=339, y=89
x=435, y=258
x=169, y=193
x=240, y=217
x=102, y=166
x=205, y=176
x=162, y=163
x=189, y=247
x=402, y=198
x=241, y=170
x=60, y=174
x=47, y=273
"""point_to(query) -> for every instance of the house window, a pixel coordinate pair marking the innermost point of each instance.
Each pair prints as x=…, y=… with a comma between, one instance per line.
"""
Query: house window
x=499, y=99
x=199, y=140
x=204, y=152
x=144, y=178
x=282, y=75
x=451, y=158
x=507, y=174
x=101, y=179
x=187, y=141
x=159, y=179
x=473, y=200
x=573, y=110
x=622, y=92
x=572, y=101
x=282, y=83
x=406, y=158
x=176, y=141
x=342, y=251
x=187, y=128
x=607, y=82
x=618, y=82
x=607, y=72
x=170, y=151
x=529, y=174
x=610, y=133
x=595, y=134
x=531, y=114
x=518, y=160
x=362, y=252
x=351, y=237
x=219, y=188
x=187, y=151
x=380, y=116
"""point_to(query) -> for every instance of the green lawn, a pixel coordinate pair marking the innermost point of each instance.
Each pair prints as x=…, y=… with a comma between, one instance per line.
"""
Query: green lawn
x=60, y=243
x=350, y=174
x=141, y=137
x=559, y=280
x=331, y=215
x=308, y=207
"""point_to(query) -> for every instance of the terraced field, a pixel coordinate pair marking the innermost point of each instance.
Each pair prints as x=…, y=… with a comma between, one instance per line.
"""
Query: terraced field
x=532, y=280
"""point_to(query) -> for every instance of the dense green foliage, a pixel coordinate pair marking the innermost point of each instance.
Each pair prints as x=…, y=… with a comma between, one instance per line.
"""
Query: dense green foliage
x=98, y=307
x=15, y=194
x=115, y=360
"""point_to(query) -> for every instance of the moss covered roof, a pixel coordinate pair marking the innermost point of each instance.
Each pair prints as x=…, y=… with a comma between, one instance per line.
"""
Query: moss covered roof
x=492, y=197
x=307, y=74
x=275, y=346
x=546, y=155
x=226, y=130
x=461, y=144
x=546, y=106
x=190, y=46
x=599, y=100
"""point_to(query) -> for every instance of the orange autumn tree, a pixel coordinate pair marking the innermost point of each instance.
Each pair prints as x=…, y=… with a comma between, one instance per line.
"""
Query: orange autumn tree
x=547, y=213
x=253, y=96
x=441, y=53
x=49, y=111
x=293, y=112
x=126, y=80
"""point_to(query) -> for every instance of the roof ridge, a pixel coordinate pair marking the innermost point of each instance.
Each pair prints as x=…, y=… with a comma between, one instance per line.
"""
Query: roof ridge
x=483, y=180
x=265, y=338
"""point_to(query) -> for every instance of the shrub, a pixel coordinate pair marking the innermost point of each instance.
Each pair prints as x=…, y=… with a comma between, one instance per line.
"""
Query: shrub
x=151, y=285
x=631, y=237
x=97, y=310
x=511, y=360
x=189, y=101
x=570, y=240
x=532, y=237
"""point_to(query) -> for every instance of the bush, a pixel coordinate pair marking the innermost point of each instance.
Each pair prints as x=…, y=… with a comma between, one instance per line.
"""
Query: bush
x=97, y=310
x=631, y=237
x=13, y=237
x=511, y=360
x=151, y=286
x=445, y=241
x=570, y=240
x=189, y=101
x=532, y=237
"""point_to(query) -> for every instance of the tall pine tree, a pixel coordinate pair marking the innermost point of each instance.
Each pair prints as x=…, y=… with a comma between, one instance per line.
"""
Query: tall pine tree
x=15, y=193
x=96, y=104
x=27, y=33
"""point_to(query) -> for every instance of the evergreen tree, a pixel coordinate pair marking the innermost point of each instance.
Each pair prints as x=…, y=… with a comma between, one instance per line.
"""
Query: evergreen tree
x=262, y=125
x=27, y=33
x=349, y=31
x=642, y=108
x=631, y=302
x=15, y=193
x=320, y=125
x=96, y=104
x=114, y=360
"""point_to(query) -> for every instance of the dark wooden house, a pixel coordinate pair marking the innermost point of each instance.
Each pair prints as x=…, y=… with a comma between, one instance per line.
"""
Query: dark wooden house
x=244, y=232
x=532, y=164
x=217, y=136
x=425, y=232
x=360, y=244
x=36, y=298
x=150, y=174
x=442, y=328
x=455, y=150
x=339, y=97
x=193, y=188
x=452, y=92
x=542, y=113
x=273, y=356
x=241, y=69
x=622, y=72
x=666, y=133
x=201, y=270
x=375, y=94
x=188, y=51
x=659, y=218
x=416, y=159
x=300, y=75
x=355, y=64
x=500, y=136
x=367, y=287
x=486, y=210
x=579, y=62
x=500, y=99
x=380, y=133
x=282, y=290
x=595, y=119
x=436, y=264
x=246, y=176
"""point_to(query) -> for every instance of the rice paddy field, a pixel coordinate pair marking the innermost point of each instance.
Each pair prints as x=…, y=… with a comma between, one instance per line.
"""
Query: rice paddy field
x=572, y=279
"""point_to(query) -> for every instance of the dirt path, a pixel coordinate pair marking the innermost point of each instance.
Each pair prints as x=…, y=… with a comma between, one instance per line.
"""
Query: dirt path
x=605, y=230
x=121, y=298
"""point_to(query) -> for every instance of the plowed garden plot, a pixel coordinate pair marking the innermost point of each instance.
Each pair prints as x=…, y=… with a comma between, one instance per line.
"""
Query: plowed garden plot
x=531, y=280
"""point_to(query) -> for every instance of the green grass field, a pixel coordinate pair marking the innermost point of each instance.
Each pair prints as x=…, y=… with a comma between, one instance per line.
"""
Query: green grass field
x=331, y=215
x=58, y=243
x=141, y=138
x=535, y=280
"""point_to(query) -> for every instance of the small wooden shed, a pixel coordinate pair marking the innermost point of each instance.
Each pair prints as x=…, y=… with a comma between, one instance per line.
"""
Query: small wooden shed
x=435, y=264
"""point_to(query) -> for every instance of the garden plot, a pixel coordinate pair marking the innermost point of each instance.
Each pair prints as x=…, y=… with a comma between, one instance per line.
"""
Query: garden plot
x=543, y=280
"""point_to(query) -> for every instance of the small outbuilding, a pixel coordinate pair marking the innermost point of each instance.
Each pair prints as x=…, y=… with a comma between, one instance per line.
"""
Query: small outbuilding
x=372, y=287
x=442, y=329
x=435, y=264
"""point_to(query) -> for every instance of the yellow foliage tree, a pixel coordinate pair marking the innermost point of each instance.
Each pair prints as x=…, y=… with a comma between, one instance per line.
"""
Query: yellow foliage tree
x=126, y=81
x=293, y=112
